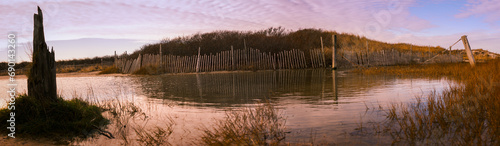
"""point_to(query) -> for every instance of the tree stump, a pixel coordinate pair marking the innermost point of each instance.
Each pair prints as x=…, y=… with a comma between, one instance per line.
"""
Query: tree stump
x=42, y=76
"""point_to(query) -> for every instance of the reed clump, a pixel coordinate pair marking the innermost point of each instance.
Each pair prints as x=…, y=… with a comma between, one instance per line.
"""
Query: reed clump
x=156, y=136
x=467, y=113
x=263, y=125
x=63, y=120
x=81, y=69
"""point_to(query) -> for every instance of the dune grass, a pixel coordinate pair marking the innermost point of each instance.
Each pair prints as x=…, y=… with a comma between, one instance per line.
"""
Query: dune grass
x=81, y=69
x=62, y=121
x=147, y=70
x=419, y=70
x=263, y=125
x=91, y=68
x=467, y=113
x=66, y=69
x=110, y=70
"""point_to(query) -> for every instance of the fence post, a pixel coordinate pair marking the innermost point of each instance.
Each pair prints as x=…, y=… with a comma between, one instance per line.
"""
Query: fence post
x=334, y=52
x=161, y=60
x=115, y=61
x=322, y=52
x=468, y=51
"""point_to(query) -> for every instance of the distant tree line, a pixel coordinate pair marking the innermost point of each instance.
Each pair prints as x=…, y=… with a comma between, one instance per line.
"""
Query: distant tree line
x=4, y=65
x=94, y=60
x=84, y=61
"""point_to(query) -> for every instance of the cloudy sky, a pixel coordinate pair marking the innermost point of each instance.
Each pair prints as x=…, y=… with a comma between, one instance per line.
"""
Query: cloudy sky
x=88, y=28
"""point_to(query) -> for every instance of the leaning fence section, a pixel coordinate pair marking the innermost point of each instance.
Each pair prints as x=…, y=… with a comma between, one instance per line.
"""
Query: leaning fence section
x=254, y=59
x=241, y=59
x=388, y=57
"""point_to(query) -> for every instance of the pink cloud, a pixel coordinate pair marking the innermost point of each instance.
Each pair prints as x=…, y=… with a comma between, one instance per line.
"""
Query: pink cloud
x=488, y=8
x=155, y=20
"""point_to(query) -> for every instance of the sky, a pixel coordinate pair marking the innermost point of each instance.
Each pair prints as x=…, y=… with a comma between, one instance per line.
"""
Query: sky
x=89, y=28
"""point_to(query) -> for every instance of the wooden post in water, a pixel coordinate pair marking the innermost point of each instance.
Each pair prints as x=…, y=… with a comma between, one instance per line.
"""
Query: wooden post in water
x=334, y=83
x=334, y=52
x=322, y=52
x=468, y=50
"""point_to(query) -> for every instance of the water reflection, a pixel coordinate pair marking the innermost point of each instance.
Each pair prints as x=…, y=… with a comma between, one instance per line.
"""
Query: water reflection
x=322, y=104
x=325, y=104
x=226, y=89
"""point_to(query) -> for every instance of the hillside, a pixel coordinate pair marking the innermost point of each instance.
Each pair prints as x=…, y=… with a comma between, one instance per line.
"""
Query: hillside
x=271, y=40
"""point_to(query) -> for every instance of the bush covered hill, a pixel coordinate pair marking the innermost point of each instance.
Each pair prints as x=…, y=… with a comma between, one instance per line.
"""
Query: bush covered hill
x=269, y=40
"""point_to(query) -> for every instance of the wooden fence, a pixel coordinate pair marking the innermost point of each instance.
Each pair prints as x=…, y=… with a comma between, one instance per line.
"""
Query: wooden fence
x=242, y=59
x=254, y=59
x=354, y=58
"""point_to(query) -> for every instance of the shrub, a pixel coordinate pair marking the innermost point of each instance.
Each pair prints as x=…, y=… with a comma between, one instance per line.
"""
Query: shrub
x=61, y=120
x=110, y=70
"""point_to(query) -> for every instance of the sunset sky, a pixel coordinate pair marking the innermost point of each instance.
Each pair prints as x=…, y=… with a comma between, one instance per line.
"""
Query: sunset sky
x=88, y=28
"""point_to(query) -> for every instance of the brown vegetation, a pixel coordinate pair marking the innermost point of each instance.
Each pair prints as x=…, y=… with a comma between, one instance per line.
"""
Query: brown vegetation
x=466, y=114
x=110, y=70
x=271, y=40
x=79, y=68
x=263, y=125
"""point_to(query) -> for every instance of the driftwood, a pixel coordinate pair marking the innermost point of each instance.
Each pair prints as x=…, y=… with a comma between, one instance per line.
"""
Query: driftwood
x=42, y=76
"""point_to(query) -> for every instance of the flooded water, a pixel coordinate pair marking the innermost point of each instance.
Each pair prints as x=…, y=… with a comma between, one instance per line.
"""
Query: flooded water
x=320, y=106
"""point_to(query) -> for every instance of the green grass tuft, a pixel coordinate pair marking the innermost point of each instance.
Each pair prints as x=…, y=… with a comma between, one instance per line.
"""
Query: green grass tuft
x=62, y=120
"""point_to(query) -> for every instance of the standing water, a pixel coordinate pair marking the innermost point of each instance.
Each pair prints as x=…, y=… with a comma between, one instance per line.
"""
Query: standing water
x=320, y=106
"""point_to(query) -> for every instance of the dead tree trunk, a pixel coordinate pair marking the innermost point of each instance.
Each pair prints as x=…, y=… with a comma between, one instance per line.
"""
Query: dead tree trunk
x=42, y=76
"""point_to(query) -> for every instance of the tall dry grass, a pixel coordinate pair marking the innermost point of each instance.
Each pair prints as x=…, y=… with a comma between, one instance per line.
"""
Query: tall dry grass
x=82, y=69
x=110, y=70
x=263, y=125
x=467, y=113
x=129, y=123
